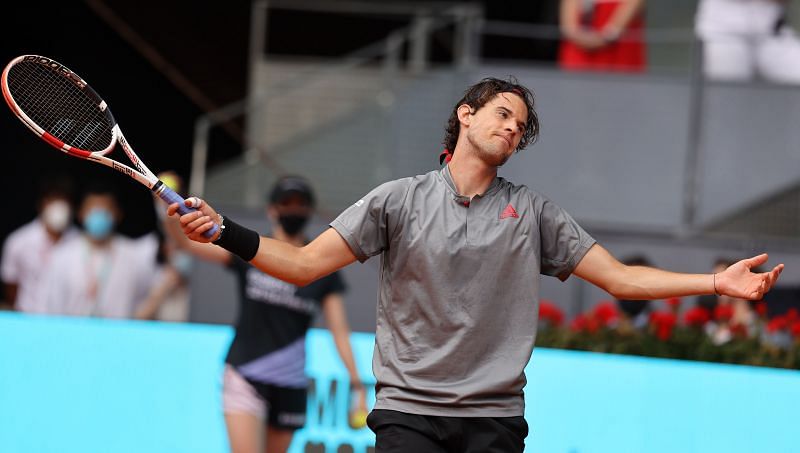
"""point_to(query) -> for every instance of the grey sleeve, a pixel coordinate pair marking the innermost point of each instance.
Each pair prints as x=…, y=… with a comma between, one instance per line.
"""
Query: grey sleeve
x=365, y=225
x=563, y=241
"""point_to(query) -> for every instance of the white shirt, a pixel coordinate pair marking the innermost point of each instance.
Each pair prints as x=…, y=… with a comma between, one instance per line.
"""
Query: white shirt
x=737, y=19
x=83, y=280
x=26, y=254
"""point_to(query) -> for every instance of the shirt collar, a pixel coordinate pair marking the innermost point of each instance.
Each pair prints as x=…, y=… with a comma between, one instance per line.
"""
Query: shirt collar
x=448, y=179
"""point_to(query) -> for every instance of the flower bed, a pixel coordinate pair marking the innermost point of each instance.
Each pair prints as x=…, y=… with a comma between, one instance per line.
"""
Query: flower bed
x=695, y=334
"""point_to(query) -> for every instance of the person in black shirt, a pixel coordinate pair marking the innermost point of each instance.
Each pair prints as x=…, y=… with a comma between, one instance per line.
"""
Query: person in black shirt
x=264, y=377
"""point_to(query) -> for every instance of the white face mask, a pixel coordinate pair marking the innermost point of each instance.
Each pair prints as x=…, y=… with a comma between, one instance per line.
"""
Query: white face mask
x=56, y=215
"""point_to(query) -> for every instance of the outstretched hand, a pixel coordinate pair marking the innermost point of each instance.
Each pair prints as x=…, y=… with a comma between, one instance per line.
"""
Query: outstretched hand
x=739, y=281
x=194, y=224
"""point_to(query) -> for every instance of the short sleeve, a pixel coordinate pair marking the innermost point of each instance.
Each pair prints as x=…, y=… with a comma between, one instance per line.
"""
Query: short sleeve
x=366, y=225
x=563, y=242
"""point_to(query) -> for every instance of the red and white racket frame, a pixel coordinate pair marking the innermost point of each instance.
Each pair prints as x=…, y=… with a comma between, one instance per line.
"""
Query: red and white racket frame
x=142, y=174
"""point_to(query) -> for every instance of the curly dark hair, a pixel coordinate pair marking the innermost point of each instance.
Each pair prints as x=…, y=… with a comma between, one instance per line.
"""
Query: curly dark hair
x=482, y=92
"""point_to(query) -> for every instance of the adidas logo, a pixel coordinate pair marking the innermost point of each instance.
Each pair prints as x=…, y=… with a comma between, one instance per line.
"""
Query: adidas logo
x=509, y=211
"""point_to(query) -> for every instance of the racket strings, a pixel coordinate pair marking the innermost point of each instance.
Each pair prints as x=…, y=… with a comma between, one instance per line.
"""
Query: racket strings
x=60, y=107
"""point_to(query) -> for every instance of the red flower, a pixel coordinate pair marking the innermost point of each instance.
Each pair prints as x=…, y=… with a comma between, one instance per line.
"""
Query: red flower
x=592, y=325
x=789, y=321
x=696, y=317
x=663, y=322
x=674, y=303
x=606, y=313
x=792, y=315
x=578, y=324
x=663, y=332
x=739, y=330
x=761, y=309
x=549, y=312
x=583, y=323
x=723, y=312
x=777, y=323
x=795, y=329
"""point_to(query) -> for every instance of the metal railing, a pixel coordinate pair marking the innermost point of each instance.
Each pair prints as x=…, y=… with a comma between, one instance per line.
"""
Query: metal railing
x=429, y=18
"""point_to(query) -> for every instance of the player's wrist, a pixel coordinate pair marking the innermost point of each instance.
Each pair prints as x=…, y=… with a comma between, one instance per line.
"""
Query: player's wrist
x=717, y=284
x=239, y=240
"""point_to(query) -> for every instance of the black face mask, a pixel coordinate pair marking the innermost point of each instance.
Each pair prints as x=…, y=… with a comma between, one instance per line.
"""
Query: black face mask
x=292, y=223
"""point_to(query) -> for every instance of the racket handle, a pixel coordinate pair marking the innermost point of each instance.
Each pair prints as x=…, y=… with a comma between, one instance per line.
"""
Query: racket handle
x=170, y=196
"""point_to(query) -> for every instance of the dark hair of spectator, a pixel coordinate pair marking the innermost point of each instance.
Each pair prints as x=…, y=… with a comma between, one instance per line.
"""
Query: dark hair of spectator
x=56, y=187
x=100, y=188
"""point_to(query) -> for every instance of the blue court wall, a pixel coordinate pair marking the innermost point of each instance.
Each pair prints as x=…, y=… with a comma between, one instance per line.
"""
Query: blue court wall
x=82, y=385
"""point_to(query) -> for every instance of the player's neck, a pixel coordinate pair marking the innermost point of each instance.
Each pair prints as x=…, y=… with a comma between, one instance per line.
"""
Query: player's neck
x=471, y=175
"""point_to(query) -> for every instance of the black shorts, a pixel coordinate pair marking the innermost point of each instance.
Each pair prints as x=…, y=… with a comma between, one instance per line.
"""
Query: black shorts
x=286, y=407
x=399, y=432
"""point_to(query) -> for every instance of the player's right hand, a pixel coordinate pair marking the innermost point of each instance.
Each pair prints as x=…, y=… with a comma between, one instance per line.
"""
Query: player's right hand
x=194, y=224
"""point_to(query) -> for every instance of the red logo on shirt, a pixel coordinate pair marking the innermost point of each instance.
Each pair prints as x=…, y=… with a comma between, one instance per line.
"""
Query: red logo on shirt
x=509, y=211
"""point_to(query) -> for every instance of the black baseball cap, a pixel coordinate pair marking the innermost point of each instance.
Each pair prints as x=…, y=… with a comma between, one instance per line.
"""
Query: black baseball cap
x=291, y=185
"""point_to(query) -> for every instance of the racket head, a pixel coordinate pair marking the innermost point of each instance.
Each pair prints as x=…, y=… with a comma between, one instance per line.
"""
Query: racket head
x=59, y=106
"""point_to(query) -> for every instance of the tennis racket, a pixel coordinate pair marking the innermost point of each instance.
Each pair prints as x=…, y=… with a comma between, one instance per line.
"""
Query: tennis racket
x=64, y=111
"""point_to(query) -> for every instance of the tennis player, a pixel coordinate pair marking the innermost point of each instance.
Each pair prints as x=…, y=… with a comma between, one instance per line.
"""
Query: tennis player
x=461, y=250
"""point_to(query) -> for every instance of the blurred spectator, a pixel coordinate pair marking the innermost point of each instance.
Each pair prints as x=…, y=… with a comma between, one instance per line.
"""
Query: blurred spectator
x=264, y=383
x=745, y=38
x=168, y=299
x=27, y=250
x=603, y=35
x=634, y=313
x=99, y=273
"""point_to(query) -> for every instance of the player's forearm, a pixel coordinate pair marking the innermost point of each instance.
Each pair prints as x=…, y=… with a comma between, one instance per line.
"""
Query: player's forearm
x=646, y=283
x=297, y=265
x=286, y=262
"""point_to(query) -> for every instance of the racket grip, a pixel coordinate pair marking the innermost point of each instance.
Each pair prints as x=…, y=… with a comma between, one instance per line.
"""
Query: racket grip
x=170, y=196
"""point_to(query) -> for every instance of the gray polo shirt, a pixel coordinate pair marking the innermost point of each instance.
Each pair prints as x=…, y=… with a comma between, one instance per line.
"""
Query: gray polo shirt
x=459, y=289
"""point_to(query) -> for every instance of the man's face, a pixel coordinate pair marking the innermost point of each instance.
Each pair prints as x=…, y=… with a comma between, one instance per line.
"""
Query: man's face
x=495, y=130
x=99, y=215
x=55, y=212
